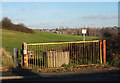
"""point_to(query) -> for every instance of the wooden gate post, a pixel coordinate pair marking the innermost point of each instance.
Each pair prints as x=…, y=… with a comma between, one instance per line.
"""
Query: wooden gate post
x=104, y=51
x=25, y=56
x=101, y=52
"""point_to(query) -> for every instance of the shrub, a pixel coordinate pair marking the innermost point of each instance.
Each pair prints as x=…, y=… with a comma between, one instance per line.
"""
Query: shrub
x=116, y=61
x=112, y=46
x=7, y=24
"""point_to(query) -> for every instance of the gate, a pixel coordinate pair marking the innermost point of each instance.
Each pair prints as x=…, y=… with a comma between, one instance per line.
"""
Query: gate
x=47, y=55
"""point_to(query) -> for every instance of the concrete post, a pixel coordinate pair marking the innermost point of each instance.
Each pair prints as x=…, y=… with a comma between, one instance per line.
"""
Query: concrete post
x=15, y=56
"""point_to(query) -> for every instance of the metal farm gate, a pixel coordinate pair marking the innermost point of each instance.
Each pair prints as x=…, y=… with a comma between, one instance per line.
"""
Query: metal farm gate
x=47, y=55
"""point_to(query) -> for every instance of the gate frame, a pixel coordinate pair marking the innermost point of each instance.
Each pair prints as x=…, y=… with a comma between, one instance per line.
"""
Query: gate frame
x=101, y=43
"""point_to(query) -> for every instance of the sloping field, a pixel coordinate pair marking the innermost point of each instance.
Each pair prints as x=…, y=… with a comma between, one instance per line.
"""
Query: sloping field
x=13, y=39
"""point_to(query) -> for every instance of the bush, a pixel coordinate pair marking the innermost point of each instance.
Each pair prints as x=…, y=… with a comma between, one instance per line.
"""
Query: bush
x=116, y=61
x=112, y=46
x=7, y=24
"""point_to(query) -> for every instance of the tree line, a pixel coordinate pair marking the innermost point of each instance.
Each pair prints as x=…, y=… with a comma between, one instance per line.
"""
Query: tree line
x=90, y=31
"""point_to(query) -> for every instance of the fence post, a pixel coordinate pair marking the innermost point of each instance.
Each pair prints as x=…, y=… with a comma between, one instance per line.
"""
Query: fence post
x=101, y=52
x=15, y=56
x=104, y=51
x=25, y=56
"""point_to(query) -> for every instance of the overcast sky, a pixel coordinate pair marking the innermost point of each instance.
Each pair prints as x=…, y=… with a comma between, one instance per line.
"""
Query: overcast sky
x=66, y=14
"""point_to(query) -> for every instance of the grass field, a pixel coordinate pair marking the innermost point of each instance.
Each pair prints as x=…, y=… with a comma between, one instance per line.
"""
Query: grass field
x=14, y=39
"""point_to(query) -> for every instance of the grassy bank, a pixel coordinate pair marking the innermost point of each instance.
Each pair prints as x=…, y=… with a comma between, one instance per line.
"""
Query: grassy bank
x=12, y=39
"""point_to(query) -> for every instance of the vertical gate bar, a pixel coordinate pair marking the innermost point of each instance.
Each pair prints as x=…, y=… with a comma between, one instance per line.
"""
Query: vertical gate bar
x=82, y=53
x=42, y=56
x=67, y=51
x=101, y=52
x=77, y=52
x=35, y=55
x=56, y=56
x=71, y=53
x=74, y=52
x=48, y=56
x=93, y=53
x=28, y=57
x=104, y=51
x=88, y=53
x=98, y=52
x=31, y=58
x=62, y=54
x=38, y=55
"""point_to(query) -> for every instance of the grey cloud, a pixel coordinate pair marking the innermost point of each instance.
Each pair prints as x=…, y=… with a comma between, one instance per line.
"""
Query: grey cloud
x=36, y=4
x=100, y=17
x=23, y=9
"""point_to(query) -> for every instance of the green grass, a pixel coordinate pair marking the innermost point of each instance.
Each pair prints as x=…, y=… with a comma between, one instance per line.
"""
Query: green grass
x=13, y=39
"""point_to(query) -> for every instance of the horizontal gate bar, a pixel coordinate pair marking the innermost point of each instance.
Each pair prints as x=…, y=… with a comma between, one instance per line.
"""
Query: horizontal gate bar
x=64, y=42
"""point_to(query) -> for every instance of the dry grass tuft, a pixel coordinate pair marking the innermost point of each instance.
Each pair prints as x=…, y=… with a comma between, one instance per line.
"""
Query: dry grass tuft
x=7, y=60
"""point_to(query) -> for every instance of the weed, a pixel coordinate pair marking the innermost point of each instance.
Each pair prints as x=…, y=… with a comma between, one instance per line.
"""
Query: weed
x=64, y=65
x=74, y=66
x=54, y=70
